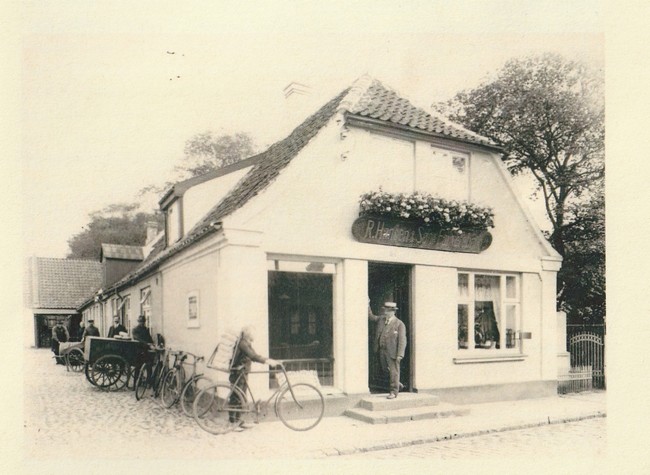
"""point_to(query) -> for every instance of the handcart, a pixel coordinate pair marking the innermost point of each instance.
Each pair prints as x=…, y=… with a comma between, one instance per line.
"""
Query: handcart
x=109, y=362
x=72, y=353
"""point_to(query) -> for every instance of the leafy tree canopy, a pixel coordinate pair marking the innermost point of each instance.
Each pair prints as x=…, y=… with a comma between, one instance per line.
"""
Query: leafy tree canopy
x=120, y=223
x=582, y=294
x=207, y=151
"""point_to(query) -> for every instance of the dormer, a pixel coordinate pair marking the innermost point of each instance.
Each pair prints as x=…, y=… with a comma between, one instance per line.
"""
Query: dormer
x=186, y=202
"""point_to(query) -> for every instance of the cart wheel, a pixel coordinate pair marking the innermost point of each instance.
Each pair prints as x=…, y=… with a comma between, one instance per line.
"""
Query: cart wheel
x=88, y=372
x=75, y=360
x=109, y=371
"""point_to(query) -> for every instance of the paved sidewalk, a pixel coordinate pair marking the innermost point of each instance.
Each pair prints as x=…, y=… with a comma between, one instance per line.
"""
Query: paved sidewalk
x=65, y=417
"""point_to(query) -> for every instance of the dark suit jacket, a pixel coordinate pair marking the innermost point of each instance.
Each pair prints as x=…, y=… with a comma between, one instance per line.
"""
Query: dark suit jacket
x=116, y=330
x=391, y=338
x=91, y=331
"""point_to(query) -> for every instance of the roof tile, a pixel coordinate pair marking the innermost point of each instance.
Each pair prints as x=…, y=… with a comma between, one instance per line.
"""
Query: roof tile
x=64, y=283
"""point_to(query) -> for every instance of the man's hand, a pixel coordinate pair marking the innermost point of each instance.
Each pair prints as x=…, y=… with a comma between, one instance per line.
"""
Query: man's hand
x=273, y=363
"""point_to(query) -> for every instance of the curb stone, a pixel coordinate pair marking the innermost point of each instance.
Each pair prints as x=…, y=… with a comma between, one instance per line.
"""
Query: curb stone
x=334, y=452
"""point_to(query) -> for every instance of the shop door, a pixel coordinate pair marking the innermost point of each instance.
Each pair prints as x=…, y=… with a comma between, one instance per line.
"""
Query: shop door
x=392, y=283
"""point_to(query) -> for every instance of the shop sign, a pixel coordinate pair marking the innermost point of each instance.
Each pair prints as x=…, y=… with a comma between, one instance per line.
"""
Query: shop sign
x=404, y=233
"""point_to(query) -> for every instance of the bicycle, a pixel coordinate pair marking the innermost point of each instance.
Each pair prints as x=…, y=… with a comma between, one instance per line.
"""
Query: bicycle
x=192, y=386
x=151, y=374
x=299, y=406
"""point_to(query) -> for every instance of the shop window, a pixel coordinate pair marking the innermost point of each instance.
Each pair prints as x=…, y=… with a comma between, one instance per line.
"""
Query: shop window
x=193, y=310
x=489, y=304
x=300, y=316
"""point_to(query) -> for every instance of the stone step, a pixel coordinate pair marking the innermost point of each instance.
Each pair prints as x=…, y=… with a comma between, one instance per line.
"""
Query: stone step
x=378, y=402
x=406, y=414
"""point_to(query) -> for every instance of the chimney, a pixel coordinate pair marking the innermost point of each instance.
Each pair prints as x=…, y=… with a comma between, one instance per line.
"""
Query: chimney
x=300, y=103
x=152, y=232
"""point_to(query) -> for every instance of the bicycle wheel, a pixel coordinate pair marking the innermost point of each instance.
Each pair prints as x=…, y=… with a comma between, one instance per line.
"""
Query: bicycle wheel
x=157, y=377
x=130, y=381
x=75, y=360
x=212, y=406
x=171, y=388
x=142, y=381
x=304, y=411
x=190, y=390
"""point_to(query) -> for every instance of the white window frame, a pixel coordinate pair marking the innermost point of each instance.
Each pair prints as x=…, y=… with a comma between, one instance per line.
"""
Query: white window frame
x=193, y=322
x=504, y=302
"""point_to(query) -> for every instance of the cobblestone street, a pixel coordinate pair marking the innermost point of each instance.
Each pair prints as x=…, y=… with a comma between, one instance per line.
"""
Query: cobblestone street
x=585, y=438
x=66, y=418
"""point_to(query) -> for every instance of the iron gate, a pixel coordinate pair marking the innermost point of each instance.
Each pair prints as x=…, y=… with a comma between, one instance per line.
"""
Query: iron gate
x=588, y=349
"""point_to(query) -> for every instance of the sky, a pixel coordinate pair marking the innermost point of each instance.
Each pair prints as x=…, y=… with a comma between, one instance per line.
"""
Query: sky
x=110, y=92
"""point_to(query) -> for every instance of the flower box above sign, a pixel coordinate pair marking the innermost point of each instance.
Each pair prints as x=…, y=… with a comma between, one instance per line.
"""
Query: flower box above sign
x=409, y=233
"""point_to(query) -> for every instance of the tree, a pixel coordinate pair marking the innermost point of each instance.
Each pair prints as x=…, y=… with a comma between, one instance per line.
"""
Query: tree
x=206, y=151
x=548, y=115
x=583, y=270
x=116, y=224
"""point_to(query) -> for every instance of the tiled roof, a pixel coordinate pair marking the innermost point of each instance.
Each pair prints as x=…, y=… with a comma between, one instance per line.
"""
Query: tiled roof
x=64, y=283
x=122, y=251
x=383, y=104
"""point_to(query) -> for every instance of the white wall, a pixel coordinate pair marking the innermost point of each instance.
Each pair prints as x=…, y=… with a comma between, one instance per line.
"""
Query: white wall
x=199, y=199
x=309, y=210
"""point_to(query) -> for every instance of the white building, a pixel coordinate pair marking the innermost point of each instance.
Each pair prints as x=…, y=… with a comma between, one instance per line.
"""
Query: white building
x=269, y=242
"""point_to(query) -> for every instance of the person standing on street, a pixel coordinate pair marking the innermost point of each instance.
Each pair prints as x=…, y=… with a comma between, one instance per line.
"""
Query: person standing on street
x=80, y=331
x=116, y=328
x=91, y=330
x=389, y=344
x=243, y=358
x=59, y=335
x=141, y=332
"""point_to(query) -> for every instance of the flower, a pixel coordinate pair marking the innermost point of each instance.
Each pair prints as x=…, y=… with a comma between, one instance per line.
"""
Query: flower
x=451, y=215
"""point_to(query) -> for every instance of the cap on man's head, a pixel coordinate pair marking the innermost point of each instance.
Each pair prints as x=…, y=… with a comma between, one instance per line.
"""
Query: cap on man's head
x=91, y=321
x=142, y=318
x=390, y=305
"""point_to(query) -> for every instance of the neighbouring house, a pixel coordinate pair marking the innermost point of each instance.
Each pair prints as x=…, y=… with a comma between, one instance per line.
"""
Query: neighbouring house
x=117, y=260
x=55, y=288
x=299, y=239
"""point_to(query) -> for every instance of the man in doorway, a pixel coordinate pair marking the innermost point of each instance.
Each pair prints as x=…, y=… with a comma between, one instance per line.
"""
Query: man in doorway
x=389, y=344
x=116, y=328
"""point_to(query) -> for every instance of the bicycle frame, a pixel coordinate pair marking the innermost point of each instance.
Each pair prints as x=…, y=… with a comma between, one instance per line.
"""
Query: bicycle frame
x=254, y=402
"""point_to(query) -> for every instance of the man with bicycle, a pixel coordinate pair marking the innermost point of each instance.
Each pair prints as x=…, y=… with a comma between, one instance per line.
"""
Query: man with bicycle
x=243, y=360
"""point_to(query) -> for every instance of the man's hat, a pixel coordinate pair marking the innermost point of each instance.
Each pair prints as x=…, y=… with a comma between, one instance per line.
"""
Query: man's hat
x=91, y=321
x=390, y=305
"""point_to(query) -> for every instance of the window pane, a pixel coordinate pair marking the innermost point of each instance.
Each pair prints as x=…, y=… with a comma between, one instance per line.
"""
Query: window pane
x=511, y=325
x=462, y=326
x=511, y=287
x=463, y=285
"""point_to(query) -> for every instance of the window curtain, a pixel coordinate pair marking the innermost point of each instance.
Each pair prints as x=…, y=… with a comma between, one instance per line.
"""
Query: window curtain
x=487, y=307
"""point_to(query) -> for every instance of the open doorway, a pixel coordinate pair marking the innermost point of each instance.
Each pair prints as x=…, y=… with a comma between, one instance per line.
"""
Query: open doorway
x=389, y=282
